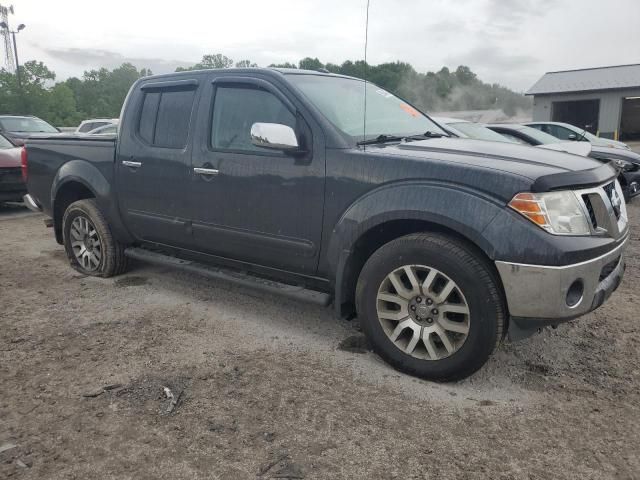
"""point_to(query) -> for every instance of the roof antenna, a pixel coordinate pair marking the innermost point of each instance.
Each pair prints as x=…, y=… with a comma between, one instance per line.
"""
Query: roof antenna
x=366, y=67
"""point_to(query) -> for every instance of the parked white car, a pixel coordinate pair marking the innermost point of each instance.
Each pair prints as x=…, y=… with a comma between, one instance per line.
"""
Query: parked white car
x=465, y=129
x=567, y=132
x=87, y=125
x=104, y=130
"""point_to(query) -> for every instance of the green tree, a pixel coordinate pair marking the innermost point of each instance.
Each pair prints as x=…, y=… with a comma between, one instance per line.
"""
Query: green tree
x=31, y=96
x=61, y=106
x=465, y=76
x=309, y=63
x=283, y=65
x=208, y=62
x=101, y=92
x=246, y=64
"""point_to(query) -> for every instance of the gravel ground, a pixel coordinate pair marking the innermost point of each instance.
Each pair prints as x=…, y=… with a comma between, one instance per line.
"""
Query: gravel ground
x=266, y=387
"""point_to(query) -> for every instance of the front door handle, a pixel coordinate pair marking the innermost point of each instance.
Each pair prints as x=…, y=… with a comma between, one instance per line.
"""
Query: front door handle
x=206, y=171
x=132, y=164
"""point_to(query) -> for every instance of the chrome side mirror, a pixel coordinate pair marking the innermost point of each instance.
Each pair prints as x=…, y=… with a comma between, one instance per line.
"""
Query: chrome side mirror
x=274, y=136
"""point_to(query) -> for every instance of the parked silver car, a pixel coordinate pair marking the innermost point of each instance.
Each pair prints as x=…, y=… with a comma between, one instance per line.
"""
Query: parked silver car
x=566, y=131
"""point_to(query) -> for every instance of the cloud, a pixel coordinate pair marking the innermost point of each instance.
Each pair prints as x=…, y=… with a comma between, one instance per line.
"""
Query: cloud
x=95, y=58
x=491, y=57
x=511, y=15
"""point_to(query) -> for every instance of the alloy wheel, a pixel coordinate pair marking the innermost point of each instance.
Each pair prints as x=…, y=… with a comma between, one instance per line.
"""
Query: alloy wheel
x=85, y=243
x=423, y=312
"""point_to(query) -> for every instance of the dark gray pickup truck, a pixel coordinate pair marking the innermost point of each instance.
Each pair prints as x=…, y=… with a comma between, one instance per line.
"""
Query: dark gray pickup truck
x=441, y=246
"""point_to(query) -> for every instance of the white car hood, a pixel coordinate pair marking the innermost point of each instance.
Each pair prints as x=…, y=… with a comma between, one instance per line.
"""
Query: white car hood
x=577, y=148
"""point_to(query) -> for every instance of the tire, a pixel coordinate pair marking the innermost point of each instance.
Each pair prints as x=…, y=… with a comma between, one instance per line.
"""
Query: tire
x=414, y=340
x=83, y=225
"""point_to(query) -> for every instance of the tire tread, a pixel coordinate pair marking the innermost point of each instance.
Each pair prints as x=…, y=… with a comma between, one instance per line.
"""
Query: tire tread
x=115, y=261
x=480, y=269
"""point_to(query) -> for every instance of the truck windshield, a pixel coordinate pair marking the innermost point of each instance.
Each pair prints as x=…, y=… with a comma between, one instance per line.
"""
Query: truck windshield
x=341, y=101
x=26, y=125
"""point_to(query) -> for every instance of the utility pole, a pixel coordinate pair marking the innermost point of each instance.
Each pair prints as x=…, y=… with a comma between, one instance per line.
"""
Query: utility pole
x=5, y=37
x=15, y=50
x=5, y=26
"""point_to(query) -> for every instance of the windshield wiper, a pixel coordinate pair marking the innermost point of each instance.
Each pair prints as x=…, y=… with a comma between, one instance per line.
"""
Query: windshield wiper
x=384, y=138
x=381, y=139
x=427, y=134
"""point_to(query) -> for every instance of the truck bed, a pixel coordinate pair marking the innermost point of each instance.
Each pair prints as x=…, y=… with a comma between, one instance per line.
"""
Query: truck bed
x=46, y=156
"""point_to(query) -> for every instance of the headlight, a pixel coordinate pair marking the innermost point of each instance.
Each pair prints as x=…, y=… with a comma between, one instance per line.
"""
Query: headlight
x=558, y=213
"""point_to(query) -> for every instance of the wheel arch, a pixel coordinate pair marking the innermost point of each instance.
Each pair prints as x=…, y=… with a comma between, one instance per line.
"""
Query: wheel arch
x=380, y=218
x=69, y=191
x=78, y=180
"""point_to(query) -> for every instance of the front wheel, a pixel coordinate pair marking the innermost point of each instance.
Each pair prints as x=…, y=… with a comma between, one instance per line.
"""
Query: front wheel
x=89, y=243
x=430, y=306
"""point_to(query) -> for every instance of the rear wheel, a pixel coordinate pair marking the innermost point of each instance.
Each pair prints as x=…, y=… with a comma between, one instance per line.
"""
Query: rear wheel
x=89, y=243
x=430, y=306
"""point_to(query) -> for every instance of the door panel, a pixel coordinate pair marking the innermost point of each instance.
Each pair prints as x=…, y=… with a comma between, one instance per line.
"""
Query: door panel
x=154, y=164
x=262, y=206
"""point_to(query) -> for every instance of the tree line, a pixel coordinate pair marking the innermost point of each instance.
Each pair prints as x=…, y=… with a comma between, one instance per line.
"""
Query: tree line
x=100, y=93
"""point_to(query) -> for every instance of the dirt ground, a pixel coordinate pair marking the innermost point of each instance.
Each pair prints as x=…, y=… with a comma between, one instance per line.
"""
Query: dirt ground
x=267, y=387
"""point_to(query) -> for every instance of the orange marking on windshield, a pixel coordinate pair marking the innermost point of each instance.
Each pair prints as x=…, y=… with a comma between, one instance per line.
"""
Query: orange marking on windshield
x=410, y=110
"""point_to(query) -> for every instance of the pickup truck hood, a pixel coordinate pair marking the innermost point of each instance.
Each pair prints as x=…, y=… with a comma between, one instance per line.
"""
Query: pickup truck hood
x=609, y=153
x=10, y=158
x=522, y=160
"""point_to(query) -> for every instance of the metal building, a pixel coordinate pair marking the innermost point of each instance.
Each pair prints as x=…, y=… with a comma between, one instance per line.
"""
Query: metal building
x=605, y=101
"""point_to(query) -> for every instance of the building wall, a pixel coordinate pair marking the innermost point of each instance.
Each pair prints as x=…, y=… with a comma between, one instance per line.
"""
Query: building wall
x=610, y=107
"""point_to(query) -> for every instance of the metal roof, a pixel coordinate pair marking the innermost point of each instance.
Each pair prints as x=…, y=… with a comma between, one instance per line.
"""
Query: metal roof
x=588, y=79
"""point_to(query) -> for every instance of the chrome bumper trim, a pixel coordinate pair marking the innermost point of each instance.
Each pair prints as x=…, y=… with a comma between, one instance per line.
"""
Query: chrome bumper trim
x=540, y=291
x=31, y=203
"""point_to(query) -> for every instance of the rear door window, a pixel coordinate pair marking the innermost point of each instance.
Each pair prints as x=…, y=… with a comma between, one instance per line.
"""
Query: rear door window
x=148, y=114
x=165, y=117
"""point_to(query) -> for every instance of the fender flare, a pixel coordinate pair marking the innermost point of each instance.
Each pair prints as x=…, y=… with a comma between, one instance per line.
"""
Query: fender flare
x=86, y=174
x=449, y=206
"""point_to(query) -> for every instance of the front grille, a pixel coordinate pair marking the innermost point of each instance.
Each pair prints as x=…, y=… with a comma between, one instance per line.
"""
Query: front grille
x=608, y=268
x=605, y=209
x=609, y=189
x=590, y=210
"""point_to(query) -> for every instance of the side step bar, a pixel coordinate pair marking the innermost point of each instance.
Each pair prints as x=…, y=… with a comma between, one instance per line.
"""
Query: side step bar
x=238, y=278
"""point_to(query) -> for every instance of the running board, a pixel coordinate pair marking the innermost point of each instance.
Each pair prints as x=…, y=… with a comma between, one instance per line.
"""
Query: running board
x=239, y=278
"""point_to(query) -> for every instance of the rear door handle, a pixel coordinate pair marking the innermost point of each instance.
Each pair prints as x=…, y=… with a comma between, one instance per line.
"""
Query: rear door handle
x=206, y=171
x=132, y=164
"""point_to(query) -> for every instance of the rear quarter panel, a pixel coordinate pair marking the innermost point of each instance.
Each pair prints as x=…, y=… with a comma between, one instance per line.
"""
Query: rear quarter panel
x=53, y=162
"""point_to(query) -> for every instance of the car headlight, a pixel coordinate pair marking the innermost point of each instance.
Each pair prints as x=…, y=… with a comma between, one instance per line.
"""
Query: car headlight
x=559, y=213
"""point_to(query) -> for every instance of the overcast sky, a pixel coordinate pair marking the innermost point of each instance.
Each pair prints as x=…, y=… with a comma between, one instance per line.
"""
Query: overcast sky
x=511, y=42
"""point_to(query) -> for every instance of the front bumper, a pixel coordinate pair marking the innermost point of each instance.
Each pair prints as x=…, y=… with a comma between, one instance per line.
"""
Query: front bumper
x=539, y=295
